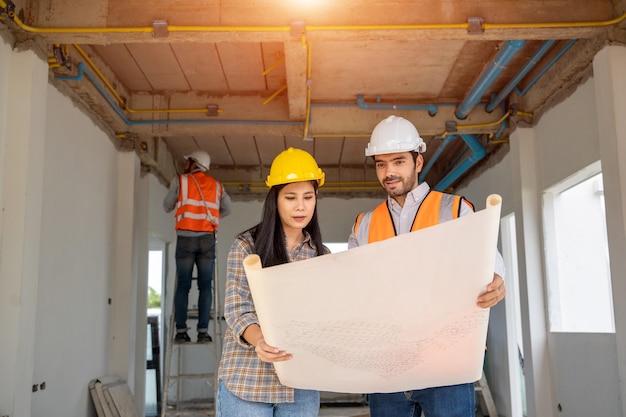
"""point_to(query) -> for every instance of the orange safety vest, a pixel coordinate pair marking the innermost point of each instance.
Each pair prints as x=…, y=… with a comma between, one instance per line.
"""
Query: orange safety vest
x=436, y=208
x=198, y=205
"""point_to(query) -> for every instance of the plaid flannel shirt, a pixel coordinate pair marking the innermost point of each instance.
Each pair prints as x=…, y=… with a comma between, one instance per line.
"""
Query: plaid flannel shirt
x=243, y=373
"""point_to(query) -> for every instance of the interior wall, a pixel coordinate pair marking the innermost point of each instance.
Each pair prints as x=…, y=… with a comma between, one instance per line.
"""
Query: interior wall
x=567, y=137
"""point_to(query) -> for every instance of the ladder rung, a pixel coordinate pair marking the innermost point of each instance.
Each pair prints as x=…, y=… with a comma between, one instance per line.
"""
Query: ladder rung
x=190, y=408
x=206, y=411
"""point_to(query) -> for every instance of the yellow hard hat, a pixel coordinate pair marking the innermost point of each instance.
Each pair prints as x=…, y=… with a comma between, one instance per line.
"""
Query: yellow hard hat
x=294, y=165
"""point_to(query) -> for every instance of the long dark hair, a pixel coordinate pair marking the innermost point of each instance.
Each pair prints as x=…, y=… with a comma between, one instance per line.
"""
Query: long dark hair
x=269, y=237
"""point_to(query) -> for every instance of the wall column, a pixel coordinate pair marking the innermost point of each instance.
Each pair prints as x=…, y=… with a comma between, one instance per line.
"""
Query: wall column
x=539, y=386
x=128, y=291
x=609, y=67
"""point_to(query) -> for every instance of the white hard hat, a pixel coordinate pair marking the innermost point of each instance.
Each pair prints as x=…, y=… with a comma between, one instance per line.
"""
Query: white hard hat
x=394, y=134
x=202, y=159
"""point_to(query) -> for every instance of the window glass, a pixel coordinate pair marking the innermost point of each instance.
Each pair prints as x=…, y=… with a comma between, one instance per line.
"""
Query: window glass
x=337, y=246
x=577, y=255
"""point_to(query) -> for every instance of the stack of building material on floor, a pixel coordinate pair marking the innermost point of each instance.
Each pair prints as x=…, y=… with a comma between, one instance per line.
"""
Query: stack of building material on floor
x=112, y=397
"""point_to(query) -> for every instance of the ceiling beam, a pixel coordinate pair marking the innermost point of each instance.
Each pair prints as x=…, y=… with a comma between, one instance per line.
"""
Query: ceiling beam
x=296, y=58
x=335, y=35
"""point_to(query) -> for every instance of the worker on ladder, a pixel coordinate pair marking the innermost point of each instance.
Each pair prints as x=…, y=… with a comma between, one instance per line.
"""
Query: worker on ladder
x=200, y=201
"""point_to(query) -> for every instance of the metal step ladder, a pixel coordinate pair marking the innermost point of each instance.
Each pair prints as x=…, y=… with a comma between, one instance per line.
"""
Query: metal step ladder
x=485, y=399
x=178, y=367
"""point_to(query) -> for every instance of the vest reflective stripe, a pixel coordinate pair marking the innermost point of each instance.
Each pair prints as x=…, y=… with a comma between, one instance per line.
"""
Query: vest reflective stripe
x=377, y=225
x=192, y=213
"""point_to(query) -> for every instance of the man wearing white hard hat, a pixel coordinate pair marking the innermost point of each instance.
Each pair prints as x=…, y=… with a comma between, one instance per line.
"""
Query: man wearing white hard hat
x=200, y=201
x=397, y=148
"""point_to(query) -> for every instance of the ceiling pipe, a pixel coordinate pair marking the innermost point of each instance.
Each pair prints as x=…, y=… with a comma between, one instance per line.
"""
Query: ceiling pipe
x=486, y=80
x=435, y=156
x=495, y=68
x=432, y=109
x=525, y=70
x=478, y=153
x=548, y=65
x=82, y=71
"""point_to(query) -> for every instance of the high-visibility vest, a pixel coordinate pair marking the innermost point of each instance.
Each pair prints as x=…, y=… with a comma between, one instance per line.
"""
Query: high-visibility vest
x=377, y=224
x=198, y=205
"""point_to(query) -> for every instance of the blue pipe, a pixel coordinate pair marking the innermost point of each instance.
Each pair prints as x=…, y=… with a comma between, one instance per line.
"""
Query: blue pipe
x=432, y=109
x=548, y=65
x=453, y=163
x=82, y=71
x=435, y=156
x=77, y=77
x=513, y=83
x=487, y=78
x=478, y=153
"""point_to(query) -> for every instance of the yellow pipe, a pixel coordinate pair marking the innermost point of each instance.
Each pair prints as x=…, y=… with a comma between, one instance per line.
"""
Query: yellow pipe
x=270, y=98
x=487, y=124
x=338, y=186
x=274, y=65
x=333, y=183
x=599, y=23
x=313, y=28
x=181, y=28
x=175, y=28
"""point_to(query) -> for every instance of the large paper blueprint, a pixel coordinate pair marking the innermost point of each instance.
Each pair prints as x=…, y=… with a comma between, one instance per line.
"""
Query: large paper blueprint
x=390, y=316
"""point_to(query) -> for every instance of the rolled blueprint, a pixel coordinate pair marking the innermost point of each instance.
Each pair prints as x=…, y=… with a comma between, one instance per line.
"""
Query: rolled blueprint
x=389, y=316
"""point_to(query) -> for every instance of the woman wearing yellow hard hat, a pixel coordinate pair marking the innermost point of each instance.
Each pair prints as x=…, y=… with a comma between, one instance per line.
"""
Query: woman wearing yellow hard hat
x=288, y=232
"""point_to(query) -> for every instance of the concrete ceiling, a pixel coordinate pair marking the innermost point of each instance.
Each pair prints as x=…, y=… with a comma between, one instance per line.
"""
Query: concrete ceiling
x=245, y=79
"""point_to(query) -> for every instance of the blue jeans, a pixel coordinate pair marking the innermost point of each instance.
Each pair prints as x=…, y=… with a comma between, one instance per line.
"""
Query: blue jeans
x=198, y=250
x=306, y=403
x=451, y=401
